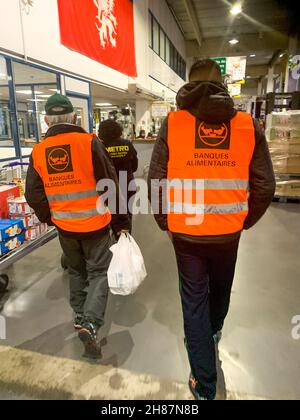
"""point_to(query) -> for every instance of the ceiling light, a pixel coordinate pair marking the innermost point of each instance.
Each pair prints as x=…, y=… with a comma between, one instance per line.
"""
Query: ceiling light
x=104, y=104
x=234, y=41
x=35, y=100
x=236, y=9
x=44, y=96
x=54, y=90
x=28, y=92
x=252, y=55
x=281, y=55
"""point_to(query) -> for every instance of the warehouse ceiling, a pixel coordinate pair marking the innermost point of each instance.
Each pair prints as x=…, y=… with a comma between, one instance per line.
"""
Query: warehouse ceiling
x=208, y=26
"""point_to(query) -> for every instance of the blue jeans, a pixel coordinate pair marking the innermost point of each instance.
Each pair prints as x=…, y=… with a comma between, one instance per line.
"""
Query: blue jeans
x=206, y=273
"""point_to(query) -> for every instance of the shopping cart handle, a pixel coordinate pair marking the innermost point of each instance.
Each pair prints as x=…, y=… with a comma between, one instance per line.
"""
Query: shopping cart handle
x=13, y=164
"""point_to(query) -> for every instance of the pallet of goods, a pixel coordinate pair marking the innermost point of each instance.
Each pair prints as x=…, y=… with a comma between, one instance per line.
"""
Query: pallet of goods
x=283, y=134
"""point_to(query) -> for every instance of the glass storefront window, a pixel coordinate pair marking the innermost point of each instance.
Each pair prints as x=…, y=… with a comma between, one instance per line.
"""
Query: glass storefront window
x=168, y=52
x=155, y=36
x=33, y=87
x=150, y=31
x=162, y=45
x=7, y=141
x=24, y=91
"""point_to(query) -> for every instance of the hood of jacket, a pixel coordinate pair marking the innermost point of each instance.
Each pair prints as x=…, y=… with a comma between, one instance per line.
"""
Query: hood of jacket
x=208, y=101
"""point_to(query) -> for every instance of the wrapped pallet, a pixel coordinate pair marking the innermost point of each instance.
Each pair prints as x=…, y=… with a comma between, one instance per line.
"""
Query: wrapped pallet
x=283, y=134
x=287, y=165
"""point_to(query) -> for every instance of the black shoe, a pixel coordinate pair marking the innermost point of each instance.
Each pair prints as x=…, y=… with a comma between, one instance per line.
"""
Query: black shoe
x=78, y=321
x=193, y=384
x=218, y=337
x=88, y=335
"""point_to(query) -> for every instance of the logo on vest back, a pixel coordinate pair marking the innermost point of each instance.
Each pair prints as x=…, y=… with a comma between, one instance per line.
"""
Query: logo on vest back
x=59, y=159
x=212, y=136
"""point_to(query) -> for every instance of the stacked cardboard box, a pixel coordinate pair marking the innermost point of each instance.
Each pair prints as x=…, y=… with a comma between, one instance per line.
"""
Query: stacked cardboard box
x=283, y=134
x=288, y=188
x=11, y=235
x=20, y=210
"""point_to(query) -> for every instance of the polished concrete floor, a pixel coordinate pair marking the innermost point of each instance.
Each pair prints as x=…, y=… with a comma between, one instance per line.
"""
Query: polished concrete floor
x=257, y=357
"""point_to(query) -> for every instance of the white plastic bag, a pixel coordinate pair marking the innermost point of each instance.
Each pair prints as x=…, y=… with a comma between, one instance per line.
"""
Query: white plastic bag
x=127, y=268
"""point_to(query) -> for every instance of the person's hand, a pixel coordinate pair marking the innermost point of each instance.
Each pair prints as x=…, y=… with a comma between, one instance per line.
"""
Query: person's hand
x=123, y=231
x=170, y=235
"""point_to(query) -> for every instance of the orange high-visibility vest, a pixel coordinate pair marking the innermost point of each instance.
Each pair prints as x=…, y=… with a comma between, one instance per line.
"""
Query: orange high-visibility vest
x=64, y=163
x=211, y=164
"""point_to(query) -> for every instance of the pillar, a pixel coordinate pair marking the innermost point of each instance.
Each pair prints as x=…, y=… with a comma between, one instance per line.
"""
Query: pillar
x=143, y=116
x=270, y=83
x=260, y=88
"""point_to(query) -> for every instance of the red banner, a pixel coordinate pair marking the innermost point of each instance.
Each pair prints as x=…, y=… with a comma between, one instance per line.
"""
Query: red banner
x=100, y=29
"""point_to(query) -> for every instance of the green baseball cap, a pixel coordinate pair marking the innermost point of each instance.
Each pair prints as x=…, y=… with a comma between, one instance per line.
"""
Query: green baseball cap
x=58, y=105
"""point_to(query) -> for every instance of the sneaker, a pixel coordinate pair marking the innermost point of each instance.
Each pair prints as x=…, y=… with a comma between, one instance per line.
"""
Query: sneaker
x=193, y=384
x=88, y=336
x=78, y=321
x=218, y=337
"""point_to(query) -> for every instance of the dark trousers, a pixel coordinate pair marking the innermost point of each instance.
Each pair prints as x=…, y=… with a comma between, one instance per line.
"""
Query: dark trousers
x=206, y=273
x=88, y=261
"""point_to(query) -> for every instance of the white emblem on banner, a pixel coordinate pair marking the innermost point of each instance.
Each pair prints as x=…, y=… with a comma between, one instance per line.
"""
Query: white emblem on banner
x=106, y=22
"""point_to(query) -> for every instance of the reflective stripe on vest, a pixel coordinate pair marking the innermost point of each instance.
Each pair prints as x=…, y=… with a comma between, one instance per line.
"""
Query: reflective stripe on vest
x=191, y=209
x=65, y=164
x=68, y=215
x=72, y=196
x=208, y=174
x=213, y=184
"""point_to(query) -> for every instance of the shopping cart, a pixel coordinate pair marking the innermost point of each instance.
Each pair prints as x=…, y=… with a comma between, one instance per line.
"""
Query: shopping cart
x=27, y=248
x=13, y=171
x=11, y=174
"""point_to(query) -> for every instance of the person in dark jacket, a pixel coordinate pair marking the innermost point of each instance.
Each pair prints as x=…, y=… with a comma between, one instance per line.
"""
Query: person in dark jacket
x=61, y=187
x=206, y=261
x=124, y=158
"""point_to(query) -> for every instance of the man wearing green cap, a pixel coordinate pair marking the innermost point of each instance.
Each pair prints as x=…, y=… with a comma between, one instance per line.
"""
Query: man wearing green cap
x=61, y=187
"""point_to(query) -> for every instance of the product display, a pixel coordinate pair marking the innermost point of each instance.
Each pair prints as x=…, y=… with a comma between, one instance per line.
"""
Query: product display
x=10, y=228
x=19, y=206
x=11, y=244
x=28, y=220
x=7, y=192
x=11, y=235
x=35, y=231
x=19, y=210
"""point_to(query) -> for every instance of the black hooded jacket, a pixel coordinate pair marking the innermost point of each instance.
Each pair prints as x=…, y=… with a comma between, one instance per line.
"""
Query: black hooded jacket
x=211, y=103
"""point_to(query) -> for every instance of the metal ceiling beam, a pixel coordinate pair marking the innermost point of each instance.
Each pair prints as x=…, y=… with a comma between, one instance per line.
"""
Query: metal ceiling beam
x=193, y=18
x=275, y=58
